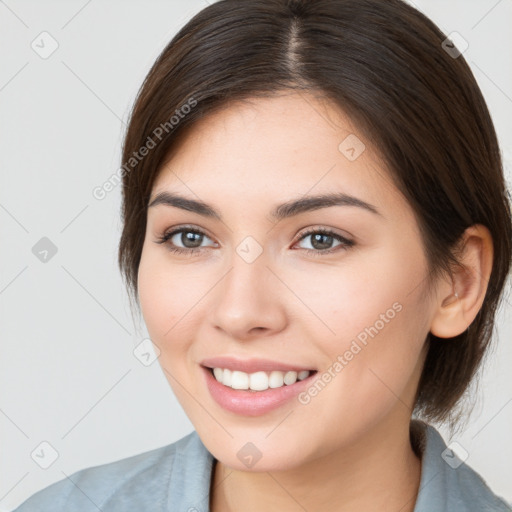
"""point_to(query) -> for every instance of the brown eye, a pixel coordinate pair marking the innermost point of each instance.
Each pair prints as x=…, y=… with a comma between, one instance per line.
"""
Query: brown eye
x=184, y=240
x=189, y=239
x=322, y=240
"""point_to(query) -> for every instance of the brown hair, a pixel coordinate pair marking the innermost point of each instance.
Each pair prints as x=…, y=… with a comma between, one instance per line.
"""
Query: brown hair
x=381, y=62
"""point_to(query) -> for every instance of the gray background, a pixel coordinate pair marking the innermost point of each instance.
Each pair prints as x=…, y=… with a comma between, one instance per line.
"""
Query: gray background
x=68, y=373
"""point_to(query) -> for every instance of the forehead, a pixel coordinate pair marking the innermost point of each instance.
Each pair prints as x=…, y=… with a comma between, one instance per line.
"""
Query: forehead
x=273, y=148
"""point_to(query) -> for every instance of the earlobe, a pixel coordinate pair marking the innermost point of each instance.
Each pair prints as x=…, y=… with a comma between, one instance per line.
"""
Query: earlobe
x=459, y=300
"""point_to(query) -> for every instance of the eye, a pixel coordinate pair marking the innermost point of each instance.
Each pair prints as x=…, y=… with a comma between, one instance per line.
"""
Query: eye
x=189, y=238
x=321, y=241
x=185, y=240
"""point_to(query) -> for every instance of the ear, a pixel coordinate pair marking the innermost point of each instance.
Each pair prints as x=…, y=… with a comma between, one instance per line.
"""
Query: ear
x=460, y=299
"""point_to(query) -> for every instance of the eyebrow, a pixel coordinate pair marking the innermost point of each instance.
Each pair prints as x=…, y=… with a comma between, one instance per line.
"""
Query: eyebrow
x=282, y=211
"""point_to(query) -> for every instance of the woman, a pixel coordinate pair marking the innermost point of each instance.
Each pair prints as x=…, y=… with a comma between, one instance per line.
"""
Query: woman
x=317, y=230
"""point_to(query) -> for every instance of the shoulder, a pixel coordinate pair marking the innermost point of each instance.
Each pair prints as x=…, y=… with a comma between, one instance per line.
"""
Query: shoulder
x=449, y=484
x=147, y=481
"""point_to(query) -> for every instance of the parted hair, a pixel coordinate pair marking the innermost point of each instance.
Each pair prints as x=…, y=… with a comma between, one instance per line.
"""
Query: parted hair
x=387, y=66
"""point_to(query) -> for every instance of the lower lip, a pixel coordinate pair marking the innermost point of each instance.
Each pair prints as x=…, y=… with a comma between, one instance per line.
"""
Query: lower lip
x=253, y=403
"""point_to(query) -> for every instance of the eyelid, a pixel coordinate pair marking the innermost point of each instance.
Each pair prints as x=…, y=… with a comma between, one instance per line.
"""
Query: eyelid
x=179, y=227
x=170, y=232
x=304, y=232
x=325, y=229
x=344, y=242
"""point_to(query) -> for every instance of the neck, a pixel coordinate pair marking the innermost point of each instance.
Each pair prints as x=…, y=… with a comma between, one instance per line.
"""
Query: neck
x=379, y=472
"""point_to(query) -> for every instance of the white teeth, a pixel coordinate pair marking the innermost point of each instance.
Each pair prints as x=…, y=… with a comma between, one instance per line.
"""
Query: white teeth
x=258, y=381
x=290, y=378
x=276, y=379
x=239, y=380
x=226, y=377
x=218, y=372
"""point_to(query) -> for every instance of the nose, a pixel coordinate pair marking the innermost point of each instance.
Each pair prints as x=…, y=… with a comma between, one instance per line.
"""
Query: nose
x=249, y=301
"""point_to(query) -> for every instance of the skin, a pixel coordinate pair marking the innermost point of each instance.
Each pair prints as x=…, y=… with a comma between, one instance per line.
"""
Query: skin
x=347, y=449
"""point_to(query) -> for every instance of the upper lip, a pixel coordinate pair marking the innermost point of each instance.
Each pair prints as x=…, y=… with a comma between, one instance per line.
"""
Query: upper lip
x=251, y=365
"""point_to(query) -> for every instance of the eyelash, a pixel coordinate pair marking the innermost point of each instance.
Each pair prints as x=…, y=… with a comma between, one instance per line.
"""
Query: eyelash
x=344, y=242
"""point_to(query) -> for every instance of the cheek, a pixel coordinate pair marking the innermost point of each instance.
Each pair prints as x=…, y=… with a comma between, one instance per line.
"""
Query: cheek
x=370, y=380
x=165, y=295
x=379, y=318
x=352, y=294
x=389, y=363
x=167, y=302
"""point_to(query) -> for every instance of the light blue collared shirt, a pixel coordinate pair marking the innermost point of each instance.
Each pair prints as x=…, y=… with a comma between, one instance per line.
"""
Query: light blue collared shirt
x=176, y=478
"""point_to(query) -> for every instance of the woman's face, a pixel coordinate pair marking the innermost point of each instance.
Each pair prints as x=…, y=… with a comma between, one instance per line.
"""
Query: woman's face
x=269, y=288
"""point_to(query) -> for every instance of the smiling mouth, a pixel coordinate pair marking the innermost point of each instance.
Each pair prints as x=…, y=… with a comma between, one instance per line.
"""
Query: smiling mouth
x=258, y=381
